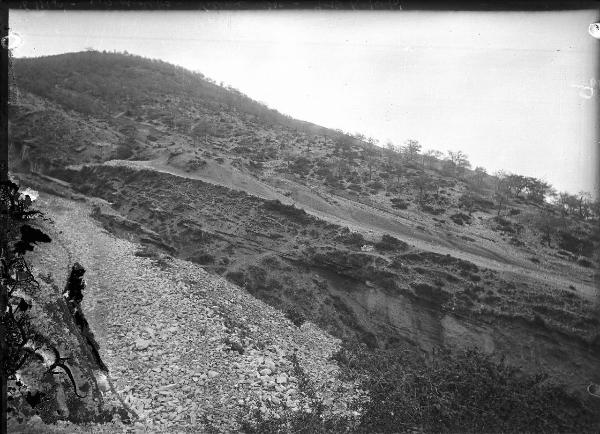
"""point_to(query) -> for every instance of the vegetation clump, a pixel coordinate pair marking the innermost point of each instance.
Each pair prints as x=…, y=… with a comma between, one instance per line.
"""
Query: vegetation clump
x=460, y=218
x=351, y=238
x=464, y=391
x=295, y=316
x=291, y=211
x=389, y=243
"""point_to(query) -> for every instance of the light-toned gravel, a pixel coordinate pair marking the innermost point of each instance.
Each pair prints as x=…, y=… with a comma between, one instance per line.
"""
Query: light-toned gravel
x=165, y=334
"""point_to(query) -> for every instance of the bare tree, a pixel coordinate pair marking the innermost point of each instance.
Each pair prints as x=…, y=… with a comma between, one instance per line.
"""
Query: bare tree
x=501, y=191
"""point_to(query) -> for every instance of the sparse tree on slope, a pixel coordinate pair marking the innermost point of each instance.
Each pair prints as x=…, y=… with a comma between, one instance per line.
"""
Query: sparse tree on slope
x=411, y=149
x=537, y=189
x=501, y=191
x=459, y=161
x=584, y=199
x=431, y=156
x=480, y=174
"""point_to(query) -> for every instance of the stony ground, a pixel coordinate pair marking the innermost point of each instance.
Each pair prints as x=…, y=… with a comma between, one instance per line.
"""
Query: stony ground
x=187, y=351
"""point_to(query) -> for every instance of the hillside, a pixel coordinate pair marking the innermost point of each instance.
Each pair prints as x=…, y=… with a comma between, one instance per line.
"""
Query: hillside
x=389, y=247
x=174, y=336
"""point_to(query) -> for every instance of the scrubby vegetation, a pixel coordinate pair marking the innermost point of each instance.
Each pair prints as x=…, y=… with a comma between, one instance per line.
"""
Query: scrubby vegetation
x=463, y=391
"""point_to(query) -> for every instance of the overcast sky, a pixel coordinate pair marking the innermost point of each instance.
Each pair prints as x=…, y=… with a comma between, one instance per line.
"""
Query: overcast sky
x=503, y=87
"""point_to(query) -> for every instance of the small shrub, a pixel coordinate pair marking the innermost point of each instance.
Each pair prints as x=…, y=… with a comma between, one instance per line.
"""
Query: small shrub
x=295, y=316
x=375, y=185
x=351, y=239
x=574, y=244
x=145, y=253
x=431, y=210
x=237, y=277
x=203, y=258
x=460, y=218
x=516, y=242
x=399, y=203
x=291, y=211
x=463, y=391
x=584, y=262
x=123, y=152
x=388, y=283
x=389, y=243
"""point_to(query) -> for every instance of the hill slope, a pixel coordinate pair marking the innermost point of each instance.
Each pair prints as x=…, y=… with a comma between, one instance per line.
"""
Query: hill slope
x=463, y=269
x=186, y=350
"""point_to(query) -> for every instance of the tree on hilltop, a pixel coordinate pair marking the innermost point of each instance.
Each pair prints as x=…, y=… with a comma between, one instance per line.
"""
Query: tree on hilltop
x=459, y=161
x=431, y=156
x=411, y=149
x=501, y=191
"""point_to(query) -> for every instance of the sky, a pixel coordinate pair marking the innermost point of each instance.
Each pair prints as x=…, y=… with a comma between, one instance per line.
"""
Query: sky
x=516, y=91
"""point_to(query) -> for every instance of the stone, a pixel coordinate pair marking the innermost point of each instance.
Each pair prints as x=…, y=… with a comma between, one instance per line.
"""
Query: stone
x=265, y=372
x=212, y=374
x=141, y=344
x=35, y=420
x=282, y=379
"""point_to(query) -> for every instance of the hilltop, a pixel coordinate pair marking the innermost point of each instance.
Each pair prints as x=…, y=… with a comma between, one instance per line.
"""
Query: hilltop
x=390, y=247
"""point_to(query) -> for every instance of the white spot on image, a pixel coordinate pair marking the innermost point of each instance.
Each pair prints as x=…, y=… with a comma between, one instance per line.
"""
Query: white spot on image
x=594, y=30
x=586, y=92
x=33, y=195
x=14, y=40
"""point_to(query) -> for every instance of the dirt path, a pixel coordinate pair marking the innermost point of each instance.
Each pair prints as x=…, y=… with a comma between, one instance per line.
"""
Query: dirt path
x=163, y=331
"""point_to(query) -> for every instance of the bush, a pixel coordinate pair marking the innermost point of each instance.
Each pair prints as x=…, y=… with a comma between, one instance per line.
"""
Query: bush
x=301, y=166
x=351, y=239
x=460, y=392
x=574, y=244
x=203, y=258
x=237, y=277
x=145, y=253
x=389, y=243
x=123, y=152
x=460, y=218
x=295, y=316
x=584, y=263
x=399, y=203
x=431, y=210
x=463, y=391
x=375, y=185
x=291, y=211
